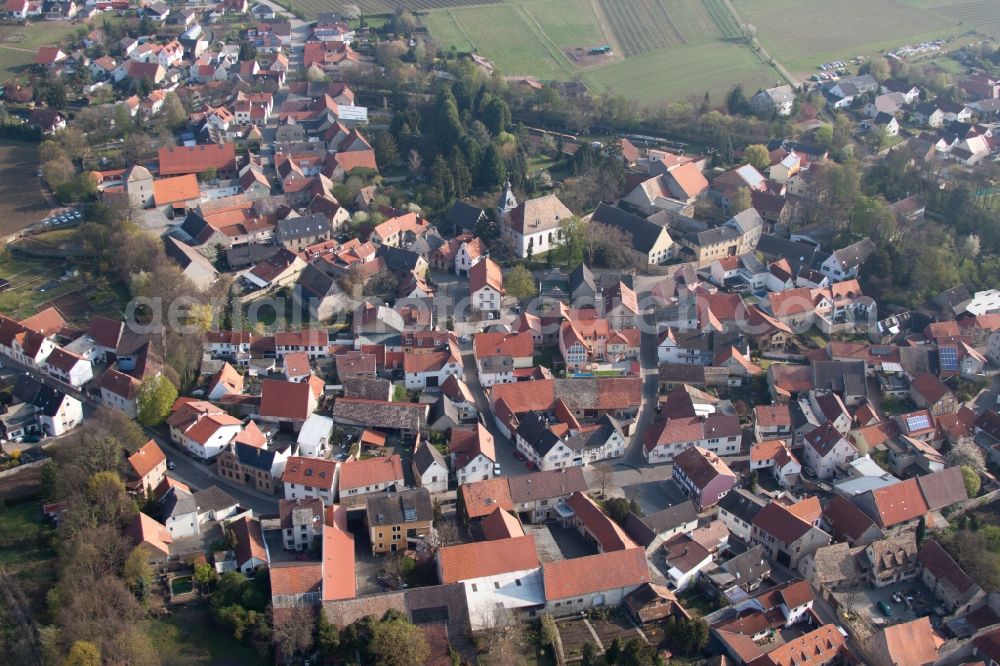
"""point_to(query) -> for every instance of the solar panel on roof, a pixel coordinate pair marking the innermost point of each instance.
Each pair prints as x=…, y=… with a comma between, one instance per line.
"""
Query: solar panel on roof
x=918, y=422
x=949, y=358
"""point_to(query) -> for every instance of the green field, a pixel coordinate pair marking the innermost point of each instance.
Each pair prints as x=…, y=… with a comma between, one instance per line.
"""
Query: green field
x=671, y=74
x=190, y=638
x=803, y=34
x=19, y=44
x=664, y=49
x=313, y=7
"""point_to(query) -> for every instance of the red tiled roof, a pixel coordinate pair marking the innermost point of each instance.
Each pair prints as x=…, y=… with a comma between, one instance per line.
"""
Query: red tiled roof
x=176, y=160
x=290, y=579
x=517, y=345
x=176, y=189
x=607, y=532
x=370, y=471
x=487, y=558
x=481, y=497
x=146, y=530
x=486, y=272
x=47, y=322
x=285, y=400
x=501, y=524
x=899, y=502
x=775, y=519
x=146, y=459
x=339, y=578
x=311, y=472
x=595, y=573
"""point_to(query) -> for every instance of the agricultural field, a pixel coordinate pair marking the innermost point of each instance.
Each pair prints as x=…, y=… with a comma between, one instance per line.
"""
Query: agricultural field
x=690, y=71
x=801, y=34
x=314, y=7
x=19, y=43
x=662, y=49
x=21, y=202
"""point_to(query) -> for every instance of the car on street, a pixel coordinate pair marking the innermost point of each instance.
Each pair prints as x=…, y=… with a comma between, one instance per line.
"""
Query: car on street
x=885, y=608
x=496, y=469
x=171, y=464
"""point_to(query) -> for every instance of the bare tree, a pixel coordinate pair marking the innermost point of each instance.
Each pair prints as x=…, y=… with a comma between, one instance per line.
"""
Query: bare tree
x=497, y=623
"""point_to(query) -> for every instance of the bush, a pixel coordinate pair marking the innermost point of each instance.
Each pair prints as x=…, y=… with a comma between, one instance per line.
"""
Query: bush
x=972, y=481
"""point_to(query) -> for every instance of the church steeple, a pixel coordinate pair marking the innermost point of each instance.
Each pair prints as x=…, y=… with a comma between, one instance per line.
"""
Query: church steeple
x=507, y=200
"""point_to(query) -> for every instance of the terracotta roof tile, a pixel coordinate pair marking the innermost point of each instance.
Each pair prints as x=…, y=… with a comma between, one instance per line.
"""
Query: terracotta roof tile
x=501, y=524
x=311, y=472
x=482, y=497
x=899, y=503
x=370, y=471
x=146, y=459
x=595, y=573
x=487, y=558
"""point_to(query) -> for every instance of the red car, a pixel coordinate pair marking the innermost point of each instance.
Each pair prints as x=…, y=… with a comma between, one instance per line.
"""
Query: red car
x=529, y=465
x=518, y=455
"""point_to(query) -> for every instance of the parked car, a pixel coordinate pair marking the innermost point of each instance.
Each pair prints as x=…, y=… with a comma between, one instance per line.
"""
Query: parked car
x=496, y=469
x=885, y=608
x=171, y=464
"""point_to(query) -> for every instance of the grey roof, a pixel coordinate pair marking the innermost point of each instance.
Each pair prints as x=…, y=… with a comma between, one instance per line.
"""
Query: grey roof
x=748, y=566
x=582, y=276
x=712, y=236
x=178, y=502
x=644, y=233
x=397, y=508
x=252, y=456
x=465, y=216
x=306, y=226
x=548, y=485
x=843, y=376
x=315, y=283
x=596, y=437
x=746, y=220
x=214, y=498
x=916, y=360
x=371, y=389
x=855, y=254
x=443, y=408
x=671, y=517
x=742, y=503
x=426, y=455
x=797, y=254
x=42, y=397
x=248, y=255
x=397, y=259
x=534, y=429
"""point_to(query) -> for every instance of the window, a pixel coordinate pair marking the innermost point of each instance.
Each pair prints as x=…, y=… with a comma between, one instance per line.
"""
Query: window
x=496, y=585
x=475, y=588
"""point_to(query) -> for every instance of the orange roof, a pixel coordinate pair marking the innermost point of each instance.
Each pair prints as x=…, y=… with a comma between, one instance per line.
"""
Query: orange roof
x=338, y=564
x=251, y=435
x=372, y=437
x=297, y=363
x=807, y=509
x=766, y=450
x=47, y=322
x=595, y=573
x=145, y=530
x=486, y=272
x=481, y=497
x=899, y=502
x=289, y=579
x=812, y=649
x=311, y=472
x=146, y=459
x=487, y=558
x=915, y=642
x=285, y=400
x=607, y=532
x=501, y=524
x=370, y=471
x=176, y=160
x=517, y=345
x=467, y=444
x=176, y=189
x=207, y=426
x=228, y=377
x=689, y=178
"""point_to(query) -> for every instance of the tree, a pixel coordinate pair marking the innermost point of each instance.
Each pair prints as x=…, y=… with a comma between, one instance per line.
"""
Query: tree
x=921, y=530
x=156, y=396
x=614, y=651
x=294, y=634
x=966, y=453
x=492, y=171
x=108, y=500
x=386, y=150
x=588, y=654
x=496, y=115
x=327, y=637
x=73, y=142
x=83, y=653
x=972, y=480
x=619, y=508
x=414, y=162
x=204, y=575
x=137, y=572
x=398, y=643
x=752, y=482
x=824, y=136
x=878, y=67
x=736, y=101
x=519, y=283
x=637, y=652
x=572, y=239
x=758, y=156
x=740, y=201
x=173, y=110
x=58, y=171
x=549, y=630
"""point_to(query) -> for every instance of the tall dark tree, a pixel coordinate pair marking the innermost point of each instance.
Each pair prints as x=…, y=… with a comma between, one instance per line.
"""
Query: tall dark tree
x=492, y=171
x=460, y=172
x=448, y=125
x=496, y=115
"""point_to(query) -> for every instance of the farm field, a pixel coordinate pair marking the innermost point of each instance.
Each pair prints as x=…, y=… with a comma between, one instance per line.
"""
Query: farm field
x=313, y=7
x=19, y=44
x=21, y=202
x=804, y=33
x=663, y=49
x=675, y=74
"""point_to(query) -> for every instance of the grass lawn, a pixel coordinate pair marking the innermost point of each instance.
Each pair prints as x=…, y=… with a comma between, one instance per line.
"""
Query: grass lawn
x=568, y=23
x=21, y=202
x=678, y=73
x=182, y=585
x=19, y=43
x=803, y=34
x=189, y=637
x=26, y=552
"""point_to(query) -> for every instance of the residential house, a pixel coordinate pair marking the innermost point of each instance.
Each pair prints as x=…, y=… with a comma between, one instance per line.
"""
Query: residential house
x=430, y=470
x=594, y=581
x=737, y=511
x=246, y=460
x=653, y=530
x=649, y=240
x=539, y=496
x=949, y=583
x=667, y=438
x=777, y=101
x=891, y=560
x=201, y=429
x=151, y=536
x=311, y=477
x=399, y=520
x=120, y=391
x=251, y=549
x=301, y=522
x=703, y=475
x=826, y=451
x=370, y=475
x=147, y=468
x=288, y=404
x=786, y=538
x=894, y=508
x=930, y=393
x=486, y=290
x=473, y=454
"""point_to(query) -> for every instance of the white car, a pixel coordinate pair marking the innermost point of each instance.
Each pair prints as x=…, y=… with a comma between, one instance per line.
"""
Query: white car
x=496, y=469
